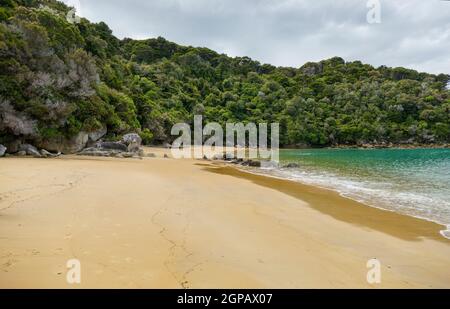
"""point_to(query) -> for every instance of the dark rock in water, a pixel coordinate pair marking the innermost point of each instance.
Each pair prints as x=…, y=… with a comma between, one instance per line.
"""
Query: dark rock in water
x=2, y=150
x=251, y=163
x=130, y=138
x=30, y=150
x=254, y=163
x=113, y=146
x=292, y=165
x=166, y=156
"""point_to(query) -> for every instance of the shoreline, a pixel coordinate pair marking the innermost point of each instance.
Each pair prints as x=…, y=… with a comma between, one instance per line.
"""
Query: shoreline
x=165, y=223
x=253, y=171
x=306, y=192
x=374, y=147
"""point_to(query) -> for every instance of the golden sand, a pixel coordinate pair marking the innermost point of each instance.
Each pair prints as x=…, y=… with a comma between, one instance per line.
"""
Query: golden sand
x=164, y=223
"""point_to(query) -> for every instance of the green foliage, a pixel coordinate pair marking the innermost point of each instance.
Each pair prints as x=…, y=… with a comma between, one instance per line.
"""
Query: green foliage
x=147, y=137
x=61, y=78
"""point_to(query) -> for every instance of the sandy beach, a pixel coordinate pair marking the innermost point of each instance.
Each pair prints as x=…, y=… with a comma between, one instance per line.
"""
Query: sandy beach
x=165, y=223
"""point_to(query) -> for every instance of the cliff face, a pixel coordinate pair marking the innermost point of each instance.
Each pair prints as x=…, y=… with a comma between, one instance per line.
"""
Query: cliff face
x=61, y=81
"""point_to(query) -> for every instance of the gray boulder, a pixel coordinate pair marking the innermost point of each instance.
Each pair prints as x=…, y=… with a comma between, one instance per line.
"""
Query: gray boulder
x=292, y=165
x=2, y=150
x=96, y=135
x=113, y=146
x=64, y=145
x=47, y=154
x=30, y=150
x=130, y=138
x=21, y=153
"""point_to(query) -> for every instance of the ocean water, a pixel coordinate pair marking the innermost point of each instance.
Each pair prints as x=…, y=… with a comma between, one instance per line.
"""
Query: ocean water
x=414, y=182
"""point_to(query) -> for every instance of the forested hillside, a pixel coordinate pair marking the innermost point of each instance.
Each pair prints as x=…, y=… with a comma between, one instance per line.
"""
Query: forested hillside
x=58, y=79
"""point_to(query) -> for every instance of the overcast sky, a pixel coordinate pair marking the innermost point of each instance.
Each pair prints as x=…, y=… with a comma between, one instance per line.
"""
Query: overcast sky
x=412, y=33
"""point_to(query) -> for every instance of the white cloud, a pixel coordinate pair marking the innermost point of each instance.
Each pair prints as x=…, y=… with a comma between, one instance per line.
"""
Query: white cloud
x=412, y=33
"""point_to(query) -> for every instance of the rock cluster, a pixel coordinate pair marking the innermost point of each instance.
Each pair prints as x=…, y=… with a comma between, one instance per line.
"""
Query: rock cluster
x=22, y=150
x=128, y=147
x=229, y=157
x=74, y=144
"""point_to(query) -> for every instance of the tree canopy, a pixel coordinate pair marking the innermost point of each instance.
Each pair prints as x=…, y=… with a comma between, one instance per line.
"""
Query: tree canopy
x=59, y=78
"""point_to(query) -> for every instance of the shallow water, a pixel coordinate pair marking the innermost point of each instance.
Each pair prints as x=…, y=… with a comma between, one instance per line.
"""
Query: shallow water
x=415, y=182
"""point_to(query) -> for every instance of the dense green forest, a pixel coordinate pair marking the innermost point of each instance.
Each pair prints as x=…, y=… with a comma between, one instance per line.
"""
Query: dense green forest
x=59, y=78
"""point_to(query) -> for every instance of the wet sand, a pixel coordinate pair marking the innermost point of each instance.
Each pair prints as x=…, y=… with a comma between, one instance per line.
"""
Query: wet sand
x=164, y=223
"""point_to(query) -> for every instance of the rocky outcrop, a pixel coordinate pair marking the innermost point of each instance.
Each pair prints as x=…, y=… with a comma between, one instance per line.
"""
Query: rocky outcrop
x=97, y=135
x=113, y=153
x=2, y=150
x=74, y=144
x=132, y=138
x=30, y=150
x=112, y=146
x=64, y=145
x=128, y=147
x=312, y=68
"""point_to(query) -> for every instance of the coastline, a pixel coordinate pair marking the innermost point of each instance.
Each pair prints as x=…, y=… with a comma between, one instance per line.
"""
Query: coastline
x=444, y=228
x=373, y=146
x=157, y=223
x=349, y=210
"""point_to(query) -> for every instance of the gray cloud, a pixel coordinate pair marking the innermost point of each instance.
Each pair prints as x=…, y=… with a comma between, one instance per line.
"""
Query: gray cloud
x=412, y=33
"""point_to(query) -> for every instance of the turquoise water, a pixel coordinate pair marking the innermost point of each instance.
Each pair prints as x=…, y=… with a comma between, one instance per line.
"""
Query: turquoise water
x=415, y=182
